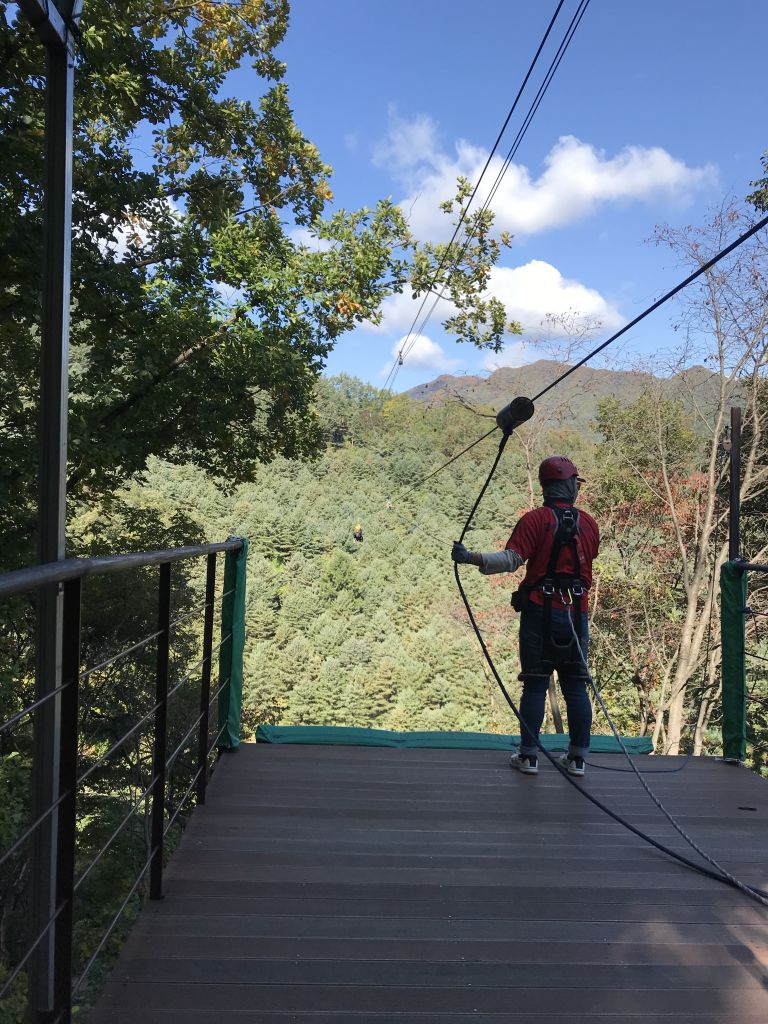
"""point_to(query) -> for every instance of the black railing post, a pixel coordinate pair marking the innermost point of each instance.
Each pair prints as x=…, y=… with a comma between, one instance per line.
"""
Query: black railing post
x=205, y=682
x=161, y=734
x=50, y=24
x=734, y=523
x=67, y=814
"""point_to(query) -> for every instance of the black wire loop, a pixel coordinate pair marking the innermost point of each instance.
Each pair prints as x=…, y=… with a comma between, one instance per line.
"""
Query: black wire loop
x=750, y=891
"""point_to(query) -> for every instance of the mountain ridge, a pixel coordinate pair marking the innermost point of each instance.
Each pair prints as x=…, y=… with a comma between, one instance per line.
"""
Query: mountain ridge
x=575, y=401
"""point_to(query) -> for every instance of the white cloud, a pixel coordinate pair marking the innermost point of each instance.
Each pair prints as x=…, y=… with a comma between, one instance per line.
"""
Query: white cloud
x=302, y=236
x=422, y=353
x=537, y=289
x=577, y=178
x=409, y=145
x=133, y=230
x=530, y=293
x=399, y=312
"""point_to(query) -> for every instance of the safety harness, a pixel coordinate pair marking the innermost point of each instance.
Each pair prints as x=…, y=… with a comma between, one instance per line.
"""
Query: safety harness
x=570, y=586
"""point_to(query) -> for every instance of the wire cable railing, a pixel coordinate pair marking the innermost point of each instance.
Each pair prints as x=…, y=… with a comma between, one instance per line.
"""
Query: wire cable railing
x=195, y=778
x=139, y=645
x=8, y=984
x=169, y=762
x=118, y=831
x=54, y=824
x=10, y=722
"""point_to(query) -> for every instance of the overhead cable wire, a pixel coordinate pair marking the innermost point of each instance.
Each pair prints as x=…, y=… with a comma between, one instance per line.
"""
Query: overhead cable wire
x=614, y=337
x=465, y=211
x=556, y=60
x=445, y=465
x=554, y=65
x=659, y=302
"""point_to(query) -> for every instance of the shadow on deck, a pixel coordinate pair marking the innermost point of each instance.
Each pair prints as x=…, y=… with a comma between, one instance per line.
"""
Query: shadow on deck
x=361, y=885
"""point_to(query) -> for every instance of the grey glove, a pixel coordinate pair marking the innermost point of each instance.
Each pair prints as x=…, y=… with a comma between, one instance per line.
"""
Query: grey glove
x=462, y=556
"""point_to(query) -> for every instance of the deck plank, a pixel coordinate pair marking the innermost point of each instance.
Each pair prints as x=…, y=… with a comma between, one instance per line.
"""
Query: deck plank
x=362, y=885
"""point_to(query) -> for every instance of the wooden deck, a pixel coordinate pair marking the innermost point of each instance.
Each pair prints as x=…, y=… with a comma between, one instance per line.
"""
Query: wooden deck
x=354, y=885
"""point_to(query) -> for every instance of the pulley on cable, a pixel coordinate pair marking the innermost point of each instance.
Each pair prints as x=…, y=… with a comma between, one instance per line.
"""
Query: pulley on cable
x=514, y=414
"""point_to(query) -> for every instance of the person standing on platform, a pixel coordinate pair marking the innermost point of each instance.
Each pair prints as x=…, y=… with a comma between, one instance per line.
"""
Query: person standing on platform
x=559, y=543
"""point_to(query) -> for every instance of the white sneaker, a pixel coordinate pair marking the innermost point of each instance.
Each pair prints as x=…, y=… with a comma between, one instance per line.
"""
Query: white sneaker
x=528, y=764
x=573, y=764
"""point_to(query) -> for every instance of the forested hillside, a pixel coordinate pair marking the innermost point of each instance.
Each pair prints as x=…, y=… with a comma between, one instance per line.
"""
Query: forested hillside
x=373, y=633
x=576, y=402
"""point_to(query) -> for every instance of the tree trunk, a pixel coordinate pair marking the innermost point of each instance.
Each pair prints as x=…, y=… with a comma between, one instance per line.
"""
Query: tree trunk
x=557, y=718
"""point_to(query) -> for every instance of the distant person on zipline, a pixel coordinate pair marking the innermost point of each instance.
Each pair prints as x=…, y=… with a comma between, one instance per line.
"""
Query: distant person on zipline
x=559, y=542
x=357, y=533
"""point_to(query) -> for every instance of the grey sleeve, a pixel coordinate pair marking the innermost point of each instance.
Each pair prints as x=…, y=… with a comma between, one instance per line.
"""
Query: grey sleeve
x=500, y=561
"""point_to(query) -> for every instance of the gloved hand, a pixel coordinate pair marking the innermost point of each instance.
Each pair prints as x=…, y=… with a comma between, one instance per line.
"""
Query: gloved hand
x=463, y=556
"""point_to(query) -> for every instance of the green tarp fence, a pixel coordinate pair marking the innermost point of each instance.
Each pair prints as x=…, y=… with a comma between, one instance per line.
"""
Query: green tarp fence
x=343, y=736
x=231, y=650
x=733, y=600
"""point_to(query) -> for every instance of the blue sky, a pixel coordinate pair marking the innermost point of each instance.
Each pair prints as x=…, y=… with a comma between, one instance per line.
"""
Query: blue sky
x=656, y=112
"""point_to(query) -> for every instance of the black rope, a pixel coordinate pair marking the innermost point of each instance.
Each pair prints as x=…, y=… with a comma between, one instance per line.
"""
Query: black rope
x=642, y=771
x=758, y=894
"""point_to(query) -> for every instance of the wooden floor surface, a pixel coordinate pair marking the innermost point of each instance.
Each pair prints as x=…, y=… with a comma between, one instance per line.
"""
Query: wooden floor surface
x=360, y=885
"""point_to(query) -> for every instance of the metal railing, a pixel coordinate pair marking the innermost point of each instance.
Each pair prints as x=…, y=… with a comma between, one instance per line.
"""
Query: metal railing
x=59, y=820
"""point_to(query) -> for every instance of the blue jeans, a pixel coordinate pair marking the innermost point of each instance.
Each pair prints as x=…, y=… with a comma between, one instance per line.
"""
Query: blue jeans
x=571, y=675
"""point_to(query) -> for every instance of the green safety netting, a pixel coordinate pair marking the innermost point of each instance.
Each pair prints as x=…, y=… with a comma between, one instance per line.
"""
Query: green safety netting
x=231, y=650
x=347, y=736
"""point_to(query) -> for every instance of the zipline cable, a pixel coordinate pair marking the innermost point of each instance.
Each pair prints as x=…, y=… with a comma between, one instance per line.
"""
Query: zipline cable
x=445, y=465
x=554, y=65
x=396, y=365
x=724, y=877
x=614, y=337
x=556, y=61
x=659, y=302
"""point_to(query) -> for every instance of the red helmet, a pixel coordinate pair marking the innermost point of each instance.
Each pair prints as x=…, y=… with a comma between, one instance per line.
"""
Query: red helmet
x=558, y=467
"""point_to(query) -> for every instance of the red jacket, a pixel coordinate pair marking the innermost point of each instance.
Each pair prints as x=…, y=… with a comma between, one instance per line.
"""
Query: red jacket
x=532, y=539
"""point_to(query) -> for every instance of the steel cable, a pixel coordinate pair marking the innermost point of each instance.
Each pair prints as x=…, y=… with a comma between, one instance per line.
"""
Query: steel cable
x=659, y=302
x=555, y=64
x=396, y=365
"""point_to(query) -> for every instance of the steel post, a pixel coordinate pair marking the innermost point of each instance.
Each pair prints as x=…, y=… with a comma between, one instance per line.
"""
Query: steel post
x=734, y=519
x=52, y=490
x=159, y=750
x=67, y=815
x=205, y=681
